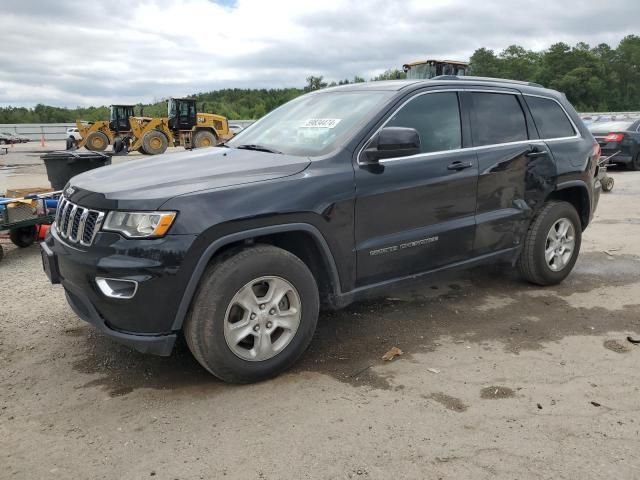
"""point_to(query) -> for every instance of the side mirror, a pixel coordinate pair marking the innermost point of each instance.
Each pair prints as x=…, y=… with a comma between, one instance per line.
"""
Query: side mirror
x=392, y=142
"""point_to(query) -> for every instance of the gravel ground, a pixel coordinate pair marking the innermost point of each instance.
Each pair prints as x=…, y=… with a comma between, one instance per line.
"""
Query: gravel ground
x=499, y=379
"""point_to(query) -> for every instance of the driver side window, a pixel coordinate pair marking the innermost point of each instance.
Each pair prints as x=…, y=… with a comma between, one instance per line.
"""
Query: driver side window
x=436, y=117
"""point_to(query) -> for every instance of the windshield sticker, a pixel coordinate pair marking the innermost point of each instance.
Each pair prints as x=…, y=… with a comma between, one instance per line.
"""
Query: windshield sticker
x=321, y=122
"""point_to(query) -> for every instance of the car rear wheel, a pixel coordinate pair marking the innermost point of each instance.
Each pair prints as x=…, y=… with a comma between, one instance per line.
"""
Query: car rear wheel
x=635, y=163
x=254, y=314
x=551, y=244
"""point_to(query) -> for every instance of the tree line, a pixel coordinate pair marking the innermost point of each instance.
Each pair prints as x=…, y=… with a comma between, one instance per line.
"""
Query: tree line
x=597, y=78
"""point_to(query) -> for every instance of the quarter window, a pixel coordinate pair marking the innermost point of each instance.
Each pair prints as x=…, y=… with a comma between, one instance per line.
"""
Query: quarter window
x=550, y=119
x=497, y=118
x=436, y=117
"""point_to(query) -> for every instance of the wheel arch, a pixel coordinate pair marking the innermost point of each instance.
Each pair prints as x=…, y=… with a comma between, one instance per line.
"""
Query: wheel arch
x=302, y=239
x=577, y=194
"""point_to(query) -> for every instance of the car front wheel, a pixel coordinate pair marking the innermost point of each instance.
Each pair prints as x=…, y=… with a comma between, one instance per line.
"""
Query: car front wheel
x=254, y=314
x=551, y=244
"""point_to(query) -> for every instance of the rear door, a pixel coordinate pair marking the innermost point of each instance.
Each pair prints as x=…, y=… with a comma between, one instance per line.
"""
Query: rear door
x=514, y=166
x=416, y=213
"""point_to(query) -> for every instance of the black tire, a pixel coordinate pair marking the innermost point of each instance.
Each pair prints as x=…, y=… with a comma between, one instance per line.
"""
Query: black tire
x=532, y=263
x=118, y=145
x=1, y=253
x=607, y=184
x=205, y=323
x=204, y=138
x=635, y=163
x=24, y=236
x=97, y=142
x=154, y=142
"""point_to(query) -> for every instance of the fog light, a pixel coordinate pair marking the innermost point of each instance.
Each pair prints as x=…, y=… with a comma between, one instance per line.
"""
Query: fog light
x=117, y=288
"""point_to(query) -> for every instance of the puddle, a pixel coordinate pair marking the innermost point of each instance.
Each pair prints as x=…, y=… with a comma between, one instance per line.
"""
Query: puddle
x=494, y=393
x=451, y=403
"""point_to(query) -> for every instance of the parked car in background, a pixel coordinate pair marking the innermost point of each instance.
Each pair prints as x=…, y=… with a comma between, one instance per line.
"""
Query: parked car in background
x=4, y=139
x=235, y=128
x=11, y=137
x=74, y=134
x=337, y=195
x=621, y=139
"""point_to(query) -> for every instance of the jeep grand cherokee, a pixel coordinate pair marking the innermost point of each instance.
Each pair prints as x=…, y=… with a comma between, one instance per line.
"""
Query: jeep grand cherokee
x=335, y=195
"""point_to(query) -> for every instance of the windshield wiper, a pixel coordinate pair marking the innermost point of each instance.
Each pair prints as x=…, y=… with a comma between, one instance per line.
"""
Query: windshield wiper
x=258, y=148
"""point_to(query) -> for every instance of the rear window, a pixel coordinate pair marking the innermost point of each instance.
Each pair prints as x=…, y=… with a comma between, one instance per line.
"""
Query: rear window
x=497, y=118
x=550, y=118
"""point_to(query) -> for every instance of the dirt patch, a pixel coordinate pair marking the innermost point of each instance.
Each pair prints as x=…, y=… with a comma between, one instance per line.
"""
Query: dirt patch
x=494, y=393
x=122, y=370
x=452, y=403
x=349, y=344
x=616, y=346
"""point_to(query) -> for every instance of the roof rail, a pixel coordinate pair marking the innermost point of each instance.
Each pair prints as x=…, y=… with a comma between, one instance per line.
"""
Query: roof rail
x=485, y=79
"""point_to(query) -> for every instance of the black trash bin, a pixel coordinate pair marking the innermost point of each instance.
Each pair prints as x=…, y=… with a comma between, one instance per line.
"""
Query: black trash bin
x=62, y=166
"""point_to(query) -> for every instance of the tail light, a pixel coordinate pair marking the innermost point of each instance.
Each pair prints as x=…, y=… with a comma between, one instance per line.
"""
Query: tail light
x=614, y=137
x=596, y=152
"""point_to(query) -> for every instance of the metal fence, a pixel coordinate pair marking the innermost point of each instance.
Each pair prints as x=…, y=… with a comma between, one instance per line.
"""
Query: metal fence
x=57, y=131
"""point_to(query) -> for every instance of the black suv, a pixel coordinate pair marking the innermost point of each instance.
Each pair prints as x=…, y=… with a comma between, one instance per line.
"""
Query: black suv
x=337, y=194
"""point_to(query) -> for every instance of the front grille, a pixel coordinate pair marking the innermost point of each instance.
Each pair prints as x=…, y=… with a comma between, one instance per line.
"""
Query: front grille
x=77, y=224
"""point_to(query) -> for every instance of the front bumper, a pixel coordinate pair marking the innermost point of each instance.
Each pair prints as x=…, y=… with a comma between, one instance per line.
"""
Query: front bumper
x=142, y=322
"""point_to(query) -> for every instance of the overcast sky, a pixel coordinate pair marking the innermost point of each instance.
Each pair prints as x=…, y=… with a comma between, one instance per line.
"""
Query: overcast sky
x=79, y=52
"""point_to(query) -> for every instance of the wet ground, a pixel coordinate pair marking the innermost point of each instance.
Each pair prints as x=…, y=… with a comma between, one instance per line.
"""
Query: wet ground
x=497, y=379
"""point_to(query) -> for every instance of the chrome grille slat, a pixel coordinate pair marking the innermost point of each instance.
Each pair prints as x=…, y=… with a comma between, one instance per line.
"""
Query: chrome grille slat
x=77, y=224
x=69, y=223
x=81, y=225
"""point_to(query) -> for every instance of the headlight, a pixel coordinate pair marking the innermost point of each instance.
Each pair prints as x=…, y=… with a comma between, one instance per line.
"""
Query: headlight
x=139, y=224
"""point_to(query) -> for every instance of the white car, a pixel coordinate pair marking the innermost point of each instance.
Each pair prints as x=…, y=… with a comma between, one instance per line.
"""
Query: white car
x=235, y=128
x=74, y=133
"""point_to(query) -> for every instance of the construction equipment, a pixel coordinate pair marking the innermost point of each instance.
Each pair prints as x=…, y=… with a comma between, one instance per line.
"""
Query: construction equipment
x=182, y=127
x=97, y=136
x=426, y=69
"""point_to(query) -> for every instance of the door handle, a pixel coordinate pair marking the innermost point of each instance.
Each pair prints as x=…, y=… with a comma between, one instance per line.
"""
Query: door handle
x=459, y=165
x=535, y=153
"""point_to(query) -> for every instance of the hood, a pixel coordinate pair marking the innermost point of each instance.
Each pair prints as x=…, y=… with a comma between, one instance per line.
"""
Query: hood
x=158, y=178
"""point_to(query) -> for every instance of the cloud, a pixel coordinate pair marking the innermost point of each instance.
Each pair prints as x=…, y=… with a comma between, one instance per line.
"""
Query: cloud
x=73, y=52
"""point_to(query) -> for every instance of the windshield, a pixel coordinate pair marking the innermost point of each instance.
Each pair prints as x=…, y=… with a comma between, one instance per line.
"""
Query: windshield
x=421, y=71
x=171, y=106
x=314, y=124
x=608, y=127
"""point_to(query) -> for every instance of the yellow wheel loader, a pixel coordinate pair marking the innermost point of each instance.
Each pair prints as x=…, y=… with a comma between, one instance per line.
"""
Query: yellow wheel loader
x=426, y=69
x=183, y=127
x=97, y=136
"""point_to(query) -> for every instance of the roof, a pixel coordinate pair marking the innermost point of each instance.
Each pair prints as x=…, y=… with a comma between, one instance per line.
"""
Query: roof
x=444, y=80
x=422, y=62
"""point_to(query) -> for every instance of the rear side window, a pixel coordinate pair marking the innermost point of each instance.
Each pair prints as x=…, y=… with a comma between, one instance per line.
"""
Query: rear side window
x=550, y=119
x=436, y=117
x=497, y=118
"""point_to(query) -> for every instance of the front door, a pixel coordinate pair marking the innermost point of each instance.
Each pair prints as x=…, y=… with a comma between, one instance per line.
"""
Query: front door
x=416, y=213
